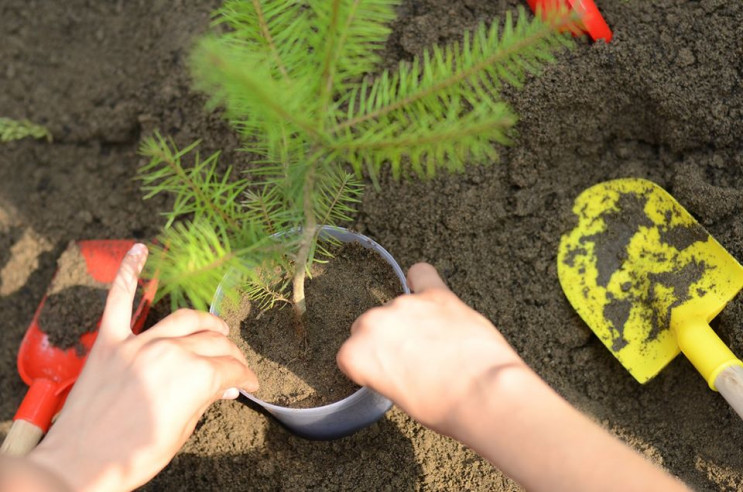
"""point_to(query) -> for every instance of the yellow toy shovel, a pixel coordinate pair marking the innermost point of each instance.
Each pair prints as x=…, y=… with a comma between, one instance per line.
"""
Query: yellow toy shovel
x=647, y=279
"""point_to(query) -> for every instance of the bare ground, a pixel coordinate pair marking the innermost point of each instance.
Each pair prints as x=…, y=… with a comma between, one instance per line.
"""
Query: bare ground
x=663, y=101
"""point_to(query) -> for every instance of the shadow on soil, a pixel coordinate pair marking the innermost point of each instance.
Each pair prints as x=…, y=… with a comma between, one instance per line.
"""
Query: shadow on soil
x=267, y=457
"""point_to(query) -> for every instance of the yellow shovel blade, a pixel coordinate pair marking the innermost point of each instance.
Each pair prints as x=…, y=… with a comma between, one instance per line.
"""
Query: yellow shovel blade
x=637, y=268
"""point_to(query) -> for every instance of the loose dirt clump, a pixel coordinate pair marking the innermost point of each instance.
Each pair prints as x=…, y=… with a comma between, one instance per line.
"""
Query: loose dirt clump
x=74, y=303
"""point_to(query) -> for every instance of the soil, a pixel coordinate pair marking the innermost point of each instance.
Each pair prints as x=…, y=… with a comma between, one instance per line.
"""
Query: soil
x=299, y=371
x=662, y=101
x=71, y=313
x=74, y=302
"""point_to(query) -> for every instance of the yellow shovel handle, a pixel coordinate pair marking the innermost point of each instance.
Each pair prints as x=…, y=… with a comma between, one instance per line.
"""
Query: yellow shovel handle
x=704, y=349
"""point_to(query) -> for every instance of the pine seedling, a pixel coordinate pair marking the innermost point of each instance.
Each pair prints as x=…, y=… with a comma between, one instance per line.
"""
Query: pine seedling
x=11, y=129
x=292, y=77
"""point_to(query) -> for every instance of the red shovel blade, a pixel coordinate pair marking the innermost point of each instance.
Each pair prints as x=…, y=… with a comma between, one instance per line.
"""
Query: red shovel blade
x=593, y=22
x=51, y=371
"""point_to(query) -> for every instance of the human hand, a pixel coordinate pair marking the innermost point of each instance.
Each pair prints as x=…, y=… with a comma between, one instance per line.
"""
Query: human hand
x=427, y=352
x=449, y=368
x=139, y=398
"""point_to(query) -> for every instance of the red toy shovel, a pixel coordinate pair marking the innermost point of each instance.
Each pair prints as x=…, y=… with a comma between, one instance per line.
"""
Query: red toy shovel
x=593, y=22
x=51, y=371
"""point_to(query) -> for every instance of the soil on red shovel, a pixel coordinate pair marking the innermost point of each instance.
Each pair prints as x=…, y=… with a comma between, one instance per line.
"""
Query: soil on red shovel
x=74, y=302
x=71, y=313
x=300, y=371
x=662, y=101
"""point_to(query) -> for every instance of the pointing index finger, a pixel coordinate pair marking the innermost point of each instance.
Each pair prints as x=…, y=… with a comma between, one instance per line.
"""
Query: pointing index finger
x=117, y=316
x=423, y=276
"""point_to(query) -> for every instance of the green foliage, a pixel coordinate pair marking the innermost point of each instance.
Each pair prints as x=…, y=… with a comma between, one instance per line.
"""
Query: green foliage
x=17, y=129
x=198, y=190
x=292, y=77
x=219, y=225
x=443, y=110
x=204, y=257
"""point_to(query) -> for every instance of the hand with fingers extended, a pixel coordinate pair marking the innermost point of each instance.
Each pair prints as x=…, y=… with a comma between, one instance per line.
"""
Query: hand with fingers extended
x=423, y=351
x=449, y=368
x=138, y=398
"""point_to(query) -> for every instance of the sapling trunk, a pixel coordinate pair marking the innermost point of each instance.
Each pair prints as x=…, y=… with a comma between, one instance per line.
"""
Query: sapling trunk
x=300, y=272
x=309, y=229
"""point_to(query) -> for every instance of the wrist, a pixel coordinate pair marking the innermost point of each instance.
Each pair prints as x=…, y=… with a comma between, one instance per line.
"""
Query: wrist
x=494, y=399
x=45, y=457
x=28, y=475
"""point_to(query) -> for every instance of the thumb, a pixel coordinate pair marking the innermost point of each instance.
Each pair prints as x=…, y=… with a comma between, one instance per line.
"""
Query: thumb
x=423, y=276
x=117, y=317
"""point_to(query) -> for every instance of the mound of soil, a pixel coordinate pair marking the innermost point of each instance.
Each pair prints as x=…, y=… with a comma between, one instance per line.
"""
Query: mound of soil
x=296, y=367
x=662, y=101
x=74, y=302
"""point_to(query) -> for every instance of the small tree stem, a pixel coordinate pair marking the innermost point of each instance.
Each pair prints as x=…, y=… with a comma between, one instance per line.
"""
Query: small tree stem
x=305, y=245
x=300, y=271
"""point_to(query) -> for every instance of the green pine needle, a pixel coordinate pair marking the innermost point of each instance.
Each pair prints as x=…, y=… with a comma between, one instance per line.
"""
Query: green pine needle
x=198, y=190
x=443, y=110
x=191, y=259
x=348, y=39
x=279, y=28
x=18, y=129
x=335, y=197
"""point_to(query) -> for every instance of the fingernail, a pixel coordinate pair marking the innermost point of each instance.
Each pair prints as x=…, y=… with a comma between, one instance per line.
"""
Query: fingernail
x=231, y=394
x=138, y=249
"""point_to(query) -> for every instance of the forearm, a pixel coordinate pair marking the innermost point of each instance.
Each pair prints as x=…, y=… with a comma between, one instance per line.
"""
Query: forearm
x=518, y=423
x=22, y=474
x=449, y=368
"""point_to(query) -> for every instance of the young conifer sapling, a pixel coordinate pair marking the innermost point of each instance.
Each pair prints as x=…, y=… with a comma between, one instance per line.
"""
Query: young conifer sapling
x=293, y=79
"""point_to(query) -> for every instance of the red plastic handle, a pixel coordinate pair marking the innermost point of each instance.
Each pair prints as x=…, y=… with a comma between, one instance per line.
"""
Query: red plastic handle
x=40, y=403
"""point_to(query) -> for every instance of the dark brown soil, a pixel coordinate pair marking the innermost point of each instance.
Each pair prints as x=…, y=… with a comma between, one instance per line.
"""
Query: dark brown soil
x=300, y=371
x=74, y=303
x=71, y=313
x=663, y=101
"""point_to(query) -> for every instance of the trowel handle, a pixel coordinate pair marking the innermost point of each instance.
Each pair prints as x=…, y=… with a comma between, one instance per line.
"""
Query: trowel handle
x=21, y=439
x=730, y=385
x=33, y=417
